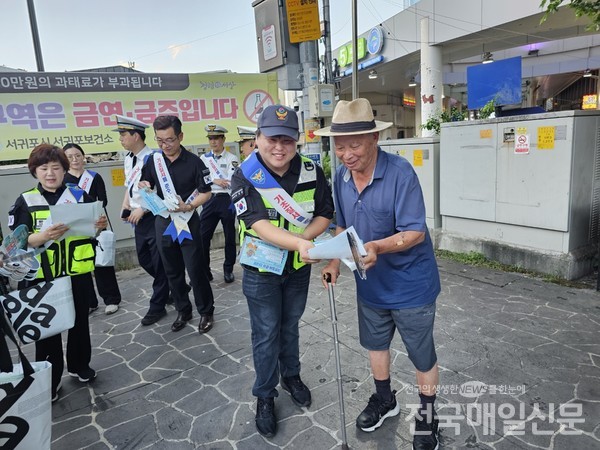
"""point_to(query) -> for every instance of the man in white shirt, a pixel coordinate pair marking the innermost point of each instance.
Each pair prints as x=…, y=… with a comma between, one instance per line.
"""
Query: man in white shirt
x=222, y=164
x=132, y=136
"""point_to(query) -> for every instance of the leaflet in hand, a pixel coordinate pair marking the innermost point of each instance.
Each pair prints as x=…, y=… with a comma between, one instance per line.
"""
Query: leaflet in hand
x=79, y=217
x=339, y=248
x=153, y=203
x=262, y=255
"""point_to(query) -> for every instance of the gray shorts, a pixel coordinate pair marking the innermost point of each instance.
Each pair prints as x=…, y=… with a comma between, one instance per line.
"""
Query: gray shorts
x=415, y=325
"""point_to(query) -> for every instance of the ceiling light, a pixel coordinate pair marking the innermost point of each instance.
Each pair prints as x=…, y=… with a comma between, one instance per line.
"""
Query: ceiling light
x=487, y=58
x=587, y=73
x=412, y=82
x=373, y=75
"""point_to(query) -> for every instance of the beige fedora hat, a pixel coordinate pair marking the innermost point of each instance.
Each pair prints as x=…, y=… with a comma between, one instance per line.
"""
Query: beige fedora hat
x=354, y=117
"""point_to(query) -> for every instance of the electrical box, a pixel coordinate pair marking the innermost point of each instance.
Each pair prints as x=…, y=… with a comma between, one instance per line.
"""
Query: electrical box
x=321, y=100
x=424, y=156
x=530, y=183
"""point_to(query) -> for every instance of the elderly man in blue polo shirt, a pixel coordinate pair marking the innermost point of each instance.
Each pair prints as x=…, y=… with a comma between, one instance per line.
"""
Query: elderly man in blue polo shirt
x=379, y=194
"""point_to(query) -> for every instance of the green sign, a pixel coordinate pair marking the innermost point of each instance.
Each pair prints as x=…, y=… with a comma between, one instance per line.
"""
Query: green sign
x=345, y=53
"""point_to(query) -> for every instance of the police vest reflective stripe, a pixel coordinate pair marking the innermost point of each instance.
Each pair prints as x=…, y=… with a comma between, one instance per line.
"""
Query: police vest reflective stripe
x=304, y=195
x=73, y=255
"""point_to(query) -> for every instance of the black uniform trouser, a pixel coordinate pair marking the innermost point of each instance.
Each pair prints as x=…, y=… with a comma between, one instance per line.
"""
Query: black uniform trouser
x=179, y=257
x=79, y=345
x=219, y=208
x=150, y=260
x=107, y=285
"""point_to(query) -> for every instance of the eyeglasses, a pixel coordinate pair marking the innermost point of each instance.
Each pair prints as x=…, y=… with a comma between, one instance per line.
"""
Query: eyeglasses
x=168, y=142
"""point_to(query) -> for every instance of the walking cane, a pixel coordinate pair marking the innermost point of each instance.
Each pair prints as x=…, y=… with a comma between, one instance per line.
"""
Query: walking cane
x=338, y=366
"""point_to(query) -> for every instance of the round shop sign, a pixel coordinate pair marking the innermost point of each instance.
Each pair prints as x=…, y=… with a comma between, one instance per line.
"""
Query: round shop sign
x=375, y=40
x=255, y=102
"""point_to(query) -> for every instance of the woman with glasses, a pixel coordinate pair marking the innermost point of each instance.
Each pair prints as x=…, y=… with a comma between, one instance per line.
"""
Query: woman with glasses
x=92, y=183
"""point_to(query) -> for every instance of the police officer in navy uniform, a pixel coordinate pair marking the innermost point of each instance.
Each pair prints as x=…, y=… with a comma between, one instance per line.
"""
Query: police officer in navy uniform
x=187, y=189
x=276, y=300
x=221, y=164
x=132, y=135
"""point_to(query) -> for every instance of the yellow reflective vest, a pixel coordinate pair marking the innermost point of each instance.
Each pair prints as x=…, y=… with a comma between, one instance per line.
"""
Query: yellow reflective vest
x=304, y=195
x=71, y=256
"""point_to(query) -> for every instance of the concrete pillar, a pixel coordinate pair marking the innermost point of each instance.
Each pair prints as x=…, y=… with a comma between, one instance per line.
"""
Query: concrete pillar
x=431, y=78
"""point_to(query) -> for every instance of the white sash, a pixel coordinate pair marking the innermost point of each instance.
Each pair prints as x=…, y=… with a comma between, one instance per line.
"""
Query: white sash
x=66, y=197
x=270, y=189
x=85, y=182
x=134, y=176
x=180, y=219
x=213, y=166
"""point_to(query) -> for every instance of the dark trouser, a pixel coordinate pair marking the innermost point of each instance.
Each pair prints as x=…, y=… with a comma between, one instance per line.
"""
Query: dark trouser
x=276, y=304
x=107, y=285
x=149, y=258
x=219, y=208
x=79, y=346
x=179, y=257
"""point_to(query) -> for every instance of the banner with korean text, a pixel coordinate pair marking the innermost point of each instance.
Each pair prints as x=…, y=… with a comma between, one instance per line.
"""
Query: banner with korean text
x=79, y=107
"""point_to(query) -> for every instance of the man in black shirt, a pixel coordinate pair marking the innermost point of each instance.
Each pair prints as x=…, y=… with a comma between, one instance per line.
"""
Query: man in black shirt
x=184, y=183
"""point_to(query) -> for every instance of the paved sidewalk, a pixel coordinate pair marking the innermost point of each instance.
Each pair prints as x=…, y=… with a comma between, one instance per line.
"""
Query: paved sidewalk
x=529, y=347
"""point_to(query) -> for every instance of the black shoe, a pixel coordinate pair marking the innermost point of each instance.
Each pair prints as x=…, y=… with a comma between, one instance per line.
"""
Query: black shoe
x=182, y=319
x=229, y=277
x=210, y=276
x=170, y=300
x=376, y=412
x=153, y=317
x=266, y=423
x=206, y=323
x=426, y=434
x=297, y=389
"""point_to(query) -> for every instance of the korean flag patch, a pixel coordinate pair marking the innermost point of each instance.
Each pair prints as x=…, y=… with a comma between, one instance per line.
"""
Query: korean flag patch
x=241, y=206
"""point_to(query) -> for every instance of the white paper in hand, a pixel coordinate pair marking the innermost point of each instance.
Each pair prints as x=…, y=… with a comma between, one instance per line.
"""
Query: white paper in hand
x=339, y=248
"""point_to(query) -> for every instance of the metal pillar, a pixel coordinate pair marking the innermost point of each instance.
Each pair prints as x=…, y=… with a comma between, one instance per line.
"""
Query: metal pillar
x=36, y=37
x=354, y=50
x=329, y=79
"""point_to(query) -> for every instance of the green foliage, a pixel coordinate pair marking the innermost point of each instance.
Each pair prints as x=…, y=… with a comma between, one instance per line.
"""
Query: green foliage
x=475, y=259
x=435, y=121
x=326, y=163
x=589, y=8
x=487, y=109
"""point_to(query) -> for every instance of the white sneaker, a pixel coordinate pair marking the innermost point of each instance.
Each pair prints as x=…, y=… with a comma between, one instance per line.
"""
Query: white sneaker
x=111, y=309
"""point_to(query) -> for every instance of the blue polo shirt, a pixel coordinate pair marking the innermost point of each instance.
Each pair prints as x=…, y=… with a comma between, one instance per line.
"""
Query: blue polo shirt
x=391, y=203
